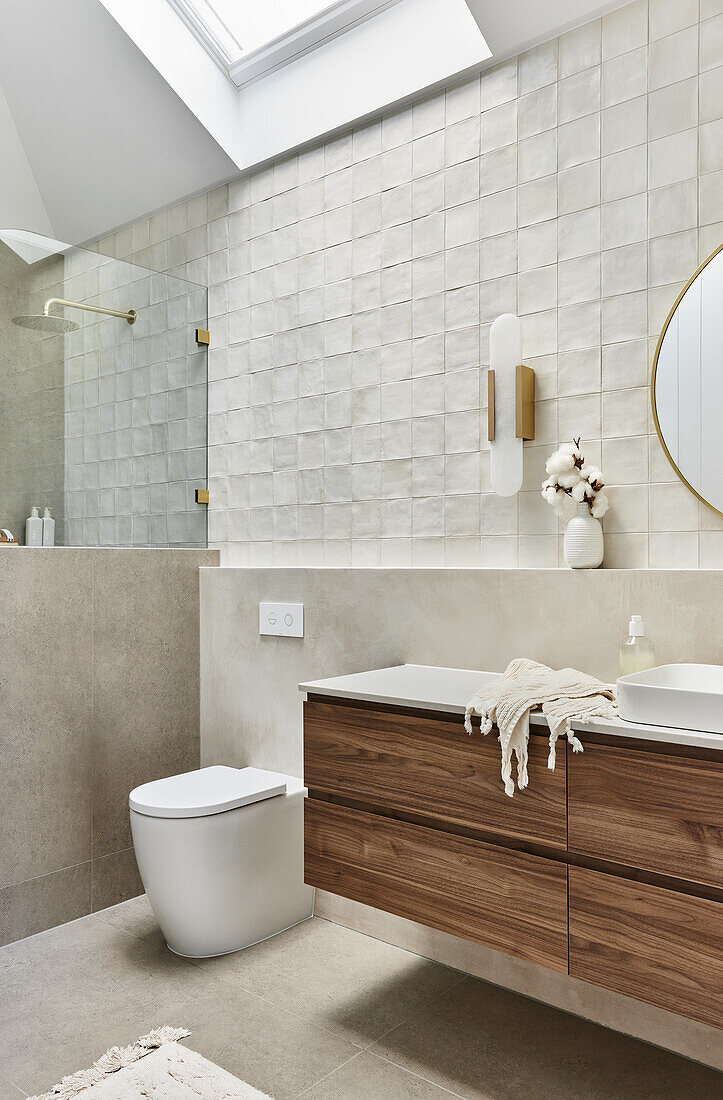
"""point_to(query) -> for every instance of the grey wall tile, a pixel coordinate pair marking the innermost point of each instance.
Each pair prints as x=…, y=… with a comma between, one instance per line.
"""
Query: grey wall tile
x=114, y=878
x=46, y=610
x=40, y=903
x=145, y=672
x=69, y=763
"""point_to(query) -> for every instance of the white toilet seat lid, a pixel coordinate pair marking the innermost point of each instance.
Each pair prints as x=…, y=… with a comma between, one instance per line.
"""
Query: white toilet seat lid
x=206, y=791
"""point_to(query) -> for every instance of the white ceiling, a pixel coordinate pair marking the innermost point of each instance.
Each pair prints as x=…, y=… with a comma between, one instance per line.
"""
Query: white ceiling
x=105, y=137
x=110, y=109
x=511, y=26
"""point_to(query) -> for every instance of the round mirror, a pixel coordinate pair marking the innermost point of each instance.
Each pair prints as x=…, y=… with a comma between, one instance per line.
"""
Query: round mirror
x=687, y=383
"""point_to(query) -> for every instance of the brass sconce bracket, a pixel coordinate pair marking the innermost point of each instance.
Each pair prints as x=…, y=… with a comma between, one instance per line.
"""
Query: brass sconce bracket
x=524, y=403
x=203, y=337
x=202, y=496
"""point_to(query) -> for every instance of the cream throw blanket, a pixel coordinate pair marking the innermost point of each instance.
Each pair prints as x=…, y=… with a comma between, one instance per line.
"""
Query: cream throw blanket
x=565, y=696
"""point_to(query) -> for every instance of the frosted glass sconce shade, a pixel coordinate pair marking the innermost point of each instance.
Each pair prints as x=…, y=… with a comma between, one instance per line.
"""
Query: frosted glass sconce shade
x=511, y=405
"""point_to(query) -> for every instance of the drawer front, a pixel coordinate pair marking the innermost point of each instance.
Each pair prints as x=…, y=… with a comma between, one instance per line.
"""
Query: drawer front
x=431, y=767
x=649, y=810
x=659, y=946
x=507, y=900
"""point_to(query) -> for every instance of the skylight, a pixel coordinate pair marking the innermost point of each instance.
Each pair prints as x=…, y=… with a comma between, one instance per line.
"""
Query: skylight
x=257, y=24
x=249, y=38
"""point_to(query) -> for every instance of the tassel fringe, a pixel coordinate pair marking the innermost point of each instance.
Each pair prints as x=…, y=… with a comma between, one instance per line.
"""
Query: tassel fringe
x=114, y=1059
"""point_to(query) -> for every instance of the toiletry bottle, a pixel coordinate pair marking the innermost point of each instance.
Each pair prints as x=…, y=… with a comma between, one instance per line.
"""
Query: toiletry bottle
x=34, y=529
x=48, y=529
x=636, y=651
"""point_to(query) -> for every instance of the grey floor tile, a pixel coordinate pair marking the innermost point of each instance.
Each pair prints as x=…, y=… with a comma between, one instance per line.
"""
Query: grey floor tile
x=70, y=993
x=350, y=984
x=487, y=1043
x=9, y=1092
x=74, y=991
x=134, y=916
x=369, y=1078
x=274, y=1050
x=284, y=1016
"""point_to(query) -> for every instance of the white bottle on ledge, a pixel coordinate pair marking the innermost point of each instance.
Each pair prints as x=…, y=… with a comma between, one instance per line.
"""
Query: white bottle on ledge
x=48, y=529
x=34, y=529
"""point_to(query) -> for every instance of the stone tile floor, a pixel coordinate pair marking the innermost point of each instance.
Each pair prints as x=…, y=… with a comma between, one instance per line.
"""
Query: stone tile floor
x=319, y=1011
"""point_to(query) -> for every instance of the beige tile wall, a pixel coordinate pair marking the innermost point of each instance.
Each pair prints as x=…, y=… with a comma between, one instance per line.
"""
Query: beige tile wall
x=353, y=287
x=99, y=652
x=359, y=619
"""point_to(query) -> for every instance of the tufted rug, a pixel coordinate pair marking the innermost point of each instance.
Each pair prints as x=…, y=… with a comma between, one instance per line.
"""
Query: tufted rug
x=157, y=1068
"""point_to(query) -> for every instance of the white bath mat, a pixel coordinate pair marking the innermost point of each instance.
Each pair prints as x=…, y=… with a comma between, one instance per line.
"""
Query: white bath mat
x=157, y=1068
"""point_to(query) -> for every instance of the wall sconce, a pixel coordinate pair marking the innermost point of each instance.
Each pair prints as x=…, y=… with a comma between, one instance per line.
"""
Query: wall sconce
x=511, y=405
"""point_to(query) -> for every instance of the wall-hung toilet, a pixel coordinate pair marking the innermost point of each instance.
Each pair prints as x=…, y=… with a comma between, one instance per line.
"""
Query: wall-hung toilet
x=221, y=856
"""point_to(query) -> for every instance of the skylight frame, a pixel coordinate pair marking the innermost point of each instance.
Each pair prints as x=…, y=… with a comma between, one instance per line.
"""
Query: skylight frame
x=199, y=17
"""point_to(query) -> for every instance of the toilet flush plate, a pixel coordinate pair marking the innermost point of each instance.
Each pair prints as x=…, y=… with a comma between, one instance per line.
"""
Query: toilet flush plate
x=284, y=620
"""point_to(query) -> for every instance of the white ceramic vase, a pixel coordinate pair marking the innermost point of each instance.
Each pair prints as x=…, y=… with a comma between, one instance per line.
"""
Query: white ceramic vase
x=582, y=543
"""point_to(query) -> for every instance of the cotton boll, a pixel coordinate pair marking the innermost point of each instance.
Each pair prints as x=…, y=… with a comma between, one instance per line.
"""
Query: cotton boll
x=569, y=480
x=574, y=452
x=579, y=491
x=600, y=505
x=559, y=463
x=594, y=476
x=550, y=493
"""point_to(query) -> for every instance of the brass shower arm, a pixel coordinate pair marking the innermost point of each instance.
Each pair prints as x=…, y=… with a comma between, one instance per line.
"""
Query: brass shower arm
x=130, y=316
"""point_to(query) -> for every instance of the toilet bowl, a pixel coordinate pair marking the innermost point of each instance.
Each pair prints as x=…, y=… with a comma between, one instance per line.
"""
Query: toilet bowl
x=221, y=855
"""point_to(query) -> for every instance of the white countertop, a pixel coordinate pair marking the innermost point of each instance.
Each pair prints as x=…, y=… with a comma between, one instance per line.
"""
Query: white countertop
x=427, y=687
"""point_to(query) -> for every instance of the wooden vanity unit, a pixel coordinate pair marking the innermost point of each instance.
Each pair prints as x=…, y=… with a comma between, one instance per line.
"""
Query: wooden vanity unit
x=610, y=868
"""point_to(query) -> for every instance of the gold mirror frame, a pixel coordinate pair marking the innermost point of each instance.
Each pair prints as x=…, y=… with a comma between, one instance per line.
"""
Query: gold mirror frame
x=654, y=372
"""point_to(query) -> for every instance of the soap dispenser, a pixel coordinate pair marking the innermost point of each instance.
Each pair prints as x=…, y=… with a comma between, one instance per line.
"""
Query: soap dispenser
x=34, y=529
x=636, y=651
x=48, y=528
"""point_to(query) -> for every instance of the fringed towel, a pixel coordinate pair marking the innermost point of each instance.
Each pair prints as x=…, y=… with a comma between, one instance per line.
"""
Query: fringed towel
x=565, y=696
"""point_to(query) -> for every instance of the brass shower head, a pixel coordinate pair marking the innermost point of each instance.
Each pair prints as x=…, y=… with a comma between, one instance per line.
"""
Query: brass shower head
x=47, y=322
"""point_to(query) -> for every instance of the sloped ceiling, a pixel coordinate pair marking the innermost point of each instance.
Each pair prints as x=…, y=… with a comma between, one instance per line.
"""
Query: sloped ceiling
x=511, y=26
x=105, y=138
x=94, y=137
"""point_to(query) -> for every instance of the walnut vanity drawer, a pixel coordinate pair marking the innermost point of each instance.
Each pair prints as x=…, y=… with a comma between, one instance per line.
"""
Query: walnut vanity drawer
x=650, y=943
x=427, y=765
x=507, y=900
x=648, y=809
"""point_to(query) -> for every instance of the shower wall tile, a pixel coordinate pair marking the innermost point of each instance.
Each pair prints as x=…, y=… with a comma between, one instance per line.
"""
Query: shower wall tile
x=100, y=693
x=135, y=397
x=31, y=397
x=353, y=285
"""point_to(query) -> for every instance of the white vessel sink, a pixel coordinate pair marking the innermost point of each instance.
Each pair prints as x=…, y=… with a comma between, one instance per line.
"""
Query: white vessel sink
x=684, y=696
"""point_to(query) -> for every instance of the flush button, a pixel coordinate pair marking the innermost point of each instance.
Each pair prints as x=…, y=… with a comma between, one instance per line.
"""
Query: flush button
x=282, y=619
